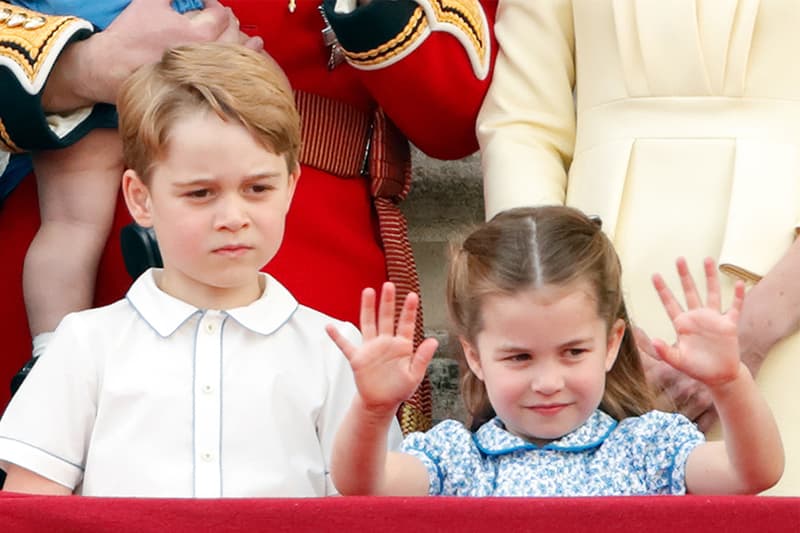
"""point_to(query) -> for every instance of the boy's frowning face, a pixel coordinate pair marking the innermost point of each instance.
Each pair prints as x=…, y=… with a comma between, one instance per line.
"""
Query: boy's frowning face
x=218, y=202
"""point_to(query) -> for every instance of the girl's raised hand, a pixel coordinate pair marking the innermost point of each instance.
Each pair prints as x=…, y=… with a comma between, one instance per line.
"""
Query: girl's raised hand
x=707, y=345
x=387, y=370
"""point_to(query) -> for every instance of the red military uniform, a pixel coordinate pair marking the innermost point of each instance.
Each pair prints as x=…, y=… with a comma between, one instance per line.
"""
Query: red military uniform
x=420, y=65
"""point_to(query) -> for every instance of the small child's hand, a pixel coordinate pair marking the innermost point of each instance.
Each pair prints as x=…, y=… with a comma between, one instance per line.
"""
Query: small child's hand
x=707, y=345
x=385, y=366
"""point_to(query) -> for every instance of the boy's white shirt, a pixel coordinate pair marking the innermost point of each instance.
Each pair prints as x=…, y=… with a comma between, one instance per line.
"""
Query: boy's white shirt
x=151, y=396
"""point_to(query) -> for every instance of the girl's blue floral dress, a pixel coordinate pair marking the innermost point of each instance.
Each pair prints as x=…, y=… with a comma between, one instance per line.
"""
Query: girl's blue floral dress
x=639, y=456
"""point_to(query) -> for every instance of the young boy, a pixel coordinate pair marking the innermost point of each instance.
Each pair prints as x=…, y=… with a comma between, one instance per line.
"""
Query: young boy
x=77, y=187
x=208, y=379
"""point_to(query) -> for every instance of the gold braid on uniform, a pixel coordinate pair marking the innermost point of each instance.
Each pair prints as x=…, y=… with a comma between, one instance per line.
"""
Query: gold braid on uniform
x=30, y=44
x=336, y=138
x=390, y=172
x=380, y=43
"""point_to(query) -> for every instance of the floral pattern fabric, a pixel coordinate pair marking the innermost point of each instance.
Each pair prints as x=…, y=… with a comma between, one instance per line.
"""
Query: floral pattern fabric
x=641, y=455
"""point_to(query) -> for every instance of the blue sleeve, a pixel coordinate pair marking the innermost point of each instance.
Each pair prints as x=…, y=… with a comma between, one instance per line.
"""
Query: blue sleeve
x=449, y=454
x=663, y=442
x=182, y=6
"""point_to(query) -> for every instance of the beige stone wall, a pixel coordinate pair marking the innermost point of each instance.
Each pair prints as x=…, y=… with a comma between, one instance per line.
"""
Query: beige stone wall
x=446, y=199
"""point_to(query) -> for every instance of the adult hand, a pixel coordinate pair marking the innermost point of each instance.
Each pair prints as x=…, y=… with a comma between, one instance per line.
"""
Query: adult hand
x=232, y=33
x=91, y=71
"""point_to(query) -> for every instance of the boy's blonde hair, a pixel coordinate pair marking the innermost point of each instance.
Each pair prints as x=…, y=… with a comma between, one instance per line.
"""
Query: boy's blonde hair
x=527, y=248
x=232, y=81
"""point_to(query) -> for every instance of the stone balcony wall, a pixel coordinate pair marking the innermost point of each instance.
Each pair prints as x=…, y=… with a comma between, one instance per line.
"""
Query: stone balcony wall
x=446, y=199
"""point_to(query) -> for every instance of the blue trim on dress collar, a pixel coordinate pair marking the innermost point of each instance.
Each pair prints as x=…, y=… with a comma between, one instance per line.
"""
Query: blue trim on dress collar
x=493, y=438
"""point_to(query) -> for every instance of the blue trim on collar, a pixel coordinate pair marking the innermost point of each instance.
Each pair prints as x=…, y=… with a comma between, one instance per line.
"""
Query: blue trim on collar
x=494, y=439
x=165, y=314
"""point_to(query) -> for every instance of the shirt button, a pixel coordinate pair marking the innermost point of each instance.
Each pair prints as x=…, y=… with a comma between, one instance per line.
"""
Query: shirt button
x=208, y=388
x=207, y=456
x=210, y=327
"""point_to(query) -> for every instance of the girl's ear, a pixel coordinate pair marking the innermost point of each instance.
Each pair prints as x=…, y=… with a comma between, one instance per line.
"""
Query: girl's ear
x=614, y=341
x=137, y=198
x=471, y=355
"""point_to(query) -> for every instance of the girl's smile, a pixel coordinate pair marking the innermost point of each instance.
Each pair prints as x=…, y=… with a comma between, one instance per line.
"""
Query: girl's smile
x=549, y=409
x=543, y=355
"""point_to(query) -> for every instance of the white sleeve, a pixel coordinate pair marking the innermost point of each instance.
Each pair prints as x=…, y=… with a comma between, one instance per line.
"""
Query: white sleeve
x=526, y=126
x=47, y=426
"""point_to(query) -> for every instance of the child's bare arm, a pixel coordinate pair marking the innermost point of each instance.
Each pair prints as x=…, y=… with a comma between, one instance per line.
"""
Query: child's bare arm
x=707, y=349
x=20, y=479
x=386, y=371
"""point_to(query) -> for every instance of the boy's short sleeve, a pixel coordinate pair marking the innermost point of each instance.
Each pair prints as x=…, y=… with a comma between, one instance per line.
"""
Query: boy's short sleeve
x=48, y=423
x=449, y=454
x=661, y=443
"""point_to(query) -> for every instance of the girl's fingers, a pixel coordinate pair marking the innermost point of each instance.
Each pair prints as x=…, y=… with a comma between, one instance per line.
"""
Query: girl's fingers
x=422, y=357
x=408, y=316
x=712, y=285
x=367, y=317
x=671, y=305
x=347, y=348
x=386, y=310
x=687, y=282
x=665, y=353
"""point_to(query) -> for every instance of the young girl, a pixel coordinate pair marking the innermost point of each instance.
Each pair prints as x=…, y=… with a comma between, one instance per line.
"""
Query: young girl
x=552, y=379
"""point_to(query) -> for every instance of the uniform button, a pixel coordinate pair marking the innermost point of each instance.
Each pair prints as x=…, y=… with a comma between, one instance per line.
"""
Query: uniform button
x=16, y=20
x=207, y=456
x=34, y=23
x=208, y=389
x=210, y=327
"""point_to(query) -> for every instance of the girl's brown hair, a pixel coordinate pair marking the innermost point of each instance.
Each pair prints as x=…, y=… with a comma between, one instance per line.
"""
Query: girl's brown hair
x=227, y=79
x=526, y=248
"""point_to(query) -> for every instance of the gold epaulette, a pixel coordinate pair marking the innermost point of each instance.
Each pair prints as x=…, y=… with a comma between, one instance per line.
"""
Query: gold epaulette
x=30, y=43
x=463, y=19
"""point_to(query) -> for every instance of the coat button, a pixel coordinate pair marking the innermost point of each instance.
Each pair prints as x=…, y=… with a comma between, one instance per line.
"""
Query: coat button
x=17, y=19
x=34, y=23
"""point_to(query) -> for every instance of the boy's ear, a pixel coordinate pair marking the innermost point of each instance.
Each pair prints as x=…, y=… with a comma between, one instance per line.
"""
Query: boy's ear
x=471, y=355
x=294, y=176
x=614, y=342
x=137, y=198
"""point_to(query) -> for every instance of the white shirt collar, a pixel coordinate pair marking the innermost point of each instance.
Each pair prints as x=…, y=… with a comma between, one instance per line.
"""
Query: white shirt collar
x=165, y=313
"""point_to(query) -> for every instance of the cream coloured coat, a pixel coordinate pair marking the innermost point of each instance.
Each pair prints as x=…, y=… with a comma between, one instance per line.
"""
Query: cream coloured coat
x=683, y=134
